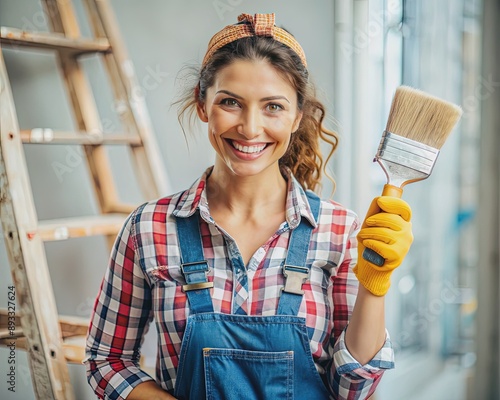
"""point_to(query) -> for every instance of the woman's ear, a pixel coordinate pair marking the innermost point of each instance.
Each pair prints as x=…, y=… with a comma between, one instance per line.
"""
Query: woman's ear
x=200, y=107
x=296, y=123
x=200, y=110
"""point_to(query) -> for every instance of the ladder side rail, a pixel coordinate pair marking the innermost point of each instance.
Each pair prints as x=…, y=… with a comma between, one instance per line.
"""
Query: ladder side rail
x=34, y=295
x=151, y=174
x=62, y=19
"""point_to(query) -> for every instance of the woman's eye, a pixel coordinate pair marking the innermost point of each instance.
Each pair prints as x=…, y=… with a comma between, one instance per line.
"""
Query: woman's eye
x=274, y=108
x=229, y=102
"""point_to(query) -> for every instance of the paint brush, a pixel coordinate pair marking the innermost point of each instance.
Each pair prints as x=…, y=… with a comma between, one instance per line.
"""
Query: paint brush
x=417, y=128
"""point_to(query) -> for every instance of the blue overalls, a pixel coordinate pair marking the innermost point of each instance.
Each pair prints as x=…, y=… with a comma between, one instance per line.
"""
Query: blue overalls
x=242, y=357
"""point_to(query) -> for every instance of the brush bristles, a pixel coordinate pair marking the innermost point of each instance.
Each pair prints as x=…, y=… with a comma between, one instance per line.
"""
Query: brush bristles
x=421, y=117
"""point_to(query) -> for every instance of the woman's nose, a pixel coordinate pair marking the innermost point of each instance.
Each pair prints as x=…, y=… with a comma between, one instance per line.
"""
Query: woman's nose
x=251, y=124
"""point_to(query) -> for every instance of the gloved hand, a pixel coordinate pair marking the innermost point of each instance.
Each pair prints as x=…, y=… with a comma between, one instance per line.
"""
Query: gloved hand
x=386, y=230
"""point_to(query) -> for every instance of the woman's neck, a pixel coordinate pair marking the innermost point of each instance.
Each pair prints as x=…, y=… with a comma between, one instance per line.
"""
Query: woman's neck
x=248, y=196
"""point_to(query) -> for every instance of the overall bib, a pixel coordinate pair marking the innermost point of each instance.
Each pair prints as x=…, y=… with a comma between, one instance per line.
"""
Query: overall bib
x=241, y=357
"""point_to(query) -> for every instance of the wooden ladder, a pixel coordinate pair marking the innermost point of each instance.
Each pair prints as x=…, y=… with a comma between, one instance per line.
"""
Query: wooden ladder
x=46, y=336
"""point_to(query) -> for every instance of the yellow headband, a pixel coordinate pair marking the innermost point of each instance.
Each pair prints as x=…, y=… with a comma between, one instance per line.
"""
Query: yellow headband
x=258, y=25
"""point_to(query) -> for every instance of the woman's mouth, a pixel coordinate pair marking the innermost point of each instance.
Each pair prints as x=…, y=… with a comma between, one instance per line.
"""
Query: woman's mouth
x=246, y=152
x=258, y=148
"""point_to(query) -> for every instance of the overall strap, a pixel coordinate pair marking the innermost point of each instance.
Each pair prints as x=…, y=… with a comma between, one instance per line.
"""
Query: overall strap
x=194, y=267
x=296, y=270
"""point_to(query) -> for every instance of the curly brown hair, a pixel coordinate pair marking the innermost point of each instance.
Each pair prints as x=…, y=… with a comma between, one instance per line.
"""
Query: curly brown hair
x=303, y=156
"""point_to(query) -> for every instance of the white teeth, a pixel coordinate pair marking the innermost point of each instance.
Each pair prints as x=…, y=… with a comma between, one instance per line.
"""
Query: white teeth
x=248, y=149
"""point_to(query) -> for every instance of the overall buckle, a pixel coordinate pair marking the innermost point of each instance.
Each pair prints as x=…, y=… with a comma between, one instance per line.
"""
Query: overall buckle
x=294, y=278
x=196, y=282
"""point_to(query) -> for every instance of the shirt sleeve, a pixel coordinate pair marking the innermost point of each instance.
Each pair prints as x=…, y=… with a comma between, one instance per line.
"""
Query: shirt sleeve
x=121, y=317
x=348, y=378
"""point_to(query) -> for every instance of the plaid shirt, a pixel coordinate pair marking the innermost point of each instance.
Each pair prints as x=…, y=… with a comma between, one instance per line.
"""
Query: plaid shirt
x=143, y=282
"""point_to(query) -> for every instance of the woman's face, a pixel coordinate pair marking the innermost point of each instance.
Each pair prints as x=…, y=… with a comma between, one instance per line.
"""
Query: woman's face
x=251, y=111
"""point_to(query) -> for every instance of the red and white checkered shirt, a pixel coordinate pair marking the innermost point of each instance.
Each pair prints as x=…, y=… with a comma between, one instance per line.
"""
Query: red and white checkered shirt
x=143, y=282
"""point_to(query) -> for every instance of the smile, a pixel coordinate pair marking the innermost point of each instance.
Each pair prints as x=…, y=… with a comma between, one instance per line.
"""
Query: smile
x=248, y=149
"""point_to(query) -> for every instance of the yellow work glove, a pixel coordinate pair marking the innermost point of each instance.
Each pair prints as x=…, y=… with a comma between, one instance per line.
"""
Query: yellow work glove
x=386, y=230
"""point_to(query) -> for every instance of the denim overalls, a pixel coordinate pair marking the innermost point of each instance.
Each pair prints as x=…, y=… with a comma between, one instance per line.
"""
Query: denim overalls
x=241, y=357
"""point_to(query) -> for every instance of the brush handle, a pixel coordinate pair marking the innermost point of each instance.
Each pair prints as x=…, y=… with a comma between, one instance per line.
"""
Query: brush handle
x=368, y=254
x=391, y=190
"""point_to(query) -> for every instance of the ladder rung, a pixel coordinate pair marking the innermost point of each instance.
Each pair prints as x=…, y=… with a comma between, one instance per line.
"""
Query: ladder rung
x=74, y=348
x=14, y=37
x=73, y=331
x=6, y=334
x=66, y=228
x=122, y=208
x=73, y=326
x=43, y=135
x=70, y=325
x=21, y=342
x=4, y=319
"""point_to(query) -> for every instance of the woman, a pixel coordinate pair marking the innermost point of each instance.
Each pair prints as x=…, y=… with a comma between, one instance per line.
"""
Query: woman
x=249, y=276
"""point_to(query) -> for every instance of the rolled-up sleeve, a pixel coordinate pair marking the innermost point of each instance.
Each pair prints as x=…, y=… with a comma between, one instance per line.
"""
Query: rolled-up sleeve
x=349, y=379
x=353, y=380
x=121, y=317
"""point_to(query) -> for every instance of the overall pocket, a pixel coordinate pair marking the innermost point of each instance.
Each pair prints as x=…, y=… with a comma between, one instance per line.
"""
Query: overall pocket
x=233, y=374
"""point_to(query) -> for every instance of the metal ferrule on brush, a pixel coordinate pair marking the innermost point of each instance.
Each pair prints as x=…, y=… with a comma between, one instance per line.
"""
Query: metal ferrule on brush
x=405, y=160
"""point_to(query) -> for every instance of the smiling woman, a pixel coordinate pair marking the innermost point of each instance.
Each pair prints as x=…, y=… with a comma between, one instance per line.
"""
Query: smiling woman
x=251, y=113
x=285, y=68
x=248, y=274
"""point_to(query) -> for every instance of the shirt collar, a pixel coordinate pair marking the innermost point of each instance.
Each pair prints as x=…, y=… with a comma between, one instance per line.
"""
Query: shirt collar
x=194, y=198
x=297, y=204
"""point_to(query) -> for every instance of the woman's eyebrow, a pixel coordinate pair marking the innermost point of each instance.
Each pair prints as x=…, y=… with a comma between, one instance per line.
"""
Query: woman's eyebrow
x=275, y=98
x=229, y=93
x=263, y=99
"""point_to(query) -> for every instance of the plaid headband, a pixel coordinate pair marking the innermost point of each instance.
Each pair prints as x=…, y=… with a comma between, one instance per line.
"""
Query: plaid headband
x=258, y=25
